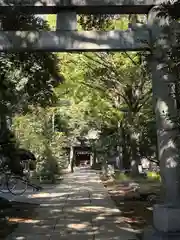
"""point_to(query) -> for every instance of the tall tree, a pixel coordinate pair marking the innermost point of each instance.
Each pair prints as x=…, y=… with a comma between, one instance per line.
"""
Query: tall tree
x=27, y=78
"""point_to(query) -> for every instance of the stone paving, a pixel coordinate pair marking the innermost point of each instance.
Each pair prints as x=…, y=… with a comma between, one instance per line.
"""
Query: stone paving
x=78, y=208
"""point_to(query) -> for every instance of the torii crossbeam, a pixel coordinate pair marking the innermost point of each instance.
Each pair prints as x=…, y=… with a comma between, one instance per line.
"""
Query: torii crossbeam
x=73, y=41
x=68, y=39
x=79, y=6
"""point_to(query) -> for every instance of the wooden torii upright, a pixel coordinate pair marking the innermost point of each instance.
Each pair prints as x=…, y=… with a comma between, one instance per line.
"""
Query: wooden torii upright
x=166, y=216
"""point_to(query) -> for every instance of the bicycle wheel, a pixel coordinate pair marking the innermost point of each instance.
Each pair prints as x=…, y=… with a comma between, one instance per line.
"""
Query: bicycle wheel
x=16, y=185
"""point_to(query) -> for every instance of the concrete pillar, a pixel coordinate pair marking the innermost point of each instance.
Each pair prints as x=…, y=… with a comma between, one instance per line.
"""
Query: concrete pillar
x=66, y=21
x=166, y=216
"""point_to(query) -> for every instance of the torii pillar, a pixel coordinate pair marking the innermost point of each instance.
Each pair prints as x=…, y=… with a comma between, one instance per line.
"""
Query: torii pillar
x=166, y=216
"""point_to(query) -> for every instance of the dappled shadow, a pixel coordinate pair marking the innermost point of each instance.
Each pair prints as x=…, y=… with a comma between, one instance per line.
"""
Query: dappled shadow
x=48, y=193
x=136, y=207
x=14, y=214
x=88, y=218
x=137, y=213
x=164, y=77
x=76, y=212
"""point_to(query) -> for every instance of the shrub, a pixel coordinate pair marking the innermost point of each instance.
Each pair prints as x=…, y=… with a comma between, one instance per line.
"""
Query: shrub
x=34, y=132
x=153, y=176
x=121, y=176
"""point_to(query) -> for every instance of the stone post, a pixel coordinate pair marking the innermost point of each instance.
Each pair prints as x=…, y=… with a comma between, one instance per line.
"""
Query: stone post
x=91, y=160
x=93, y=157
x=71, y=159
x=166, y=216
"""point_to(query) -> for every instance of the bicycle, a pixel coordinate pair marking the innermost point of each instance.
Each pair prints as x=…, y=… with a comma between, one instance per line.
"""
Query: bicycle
x=14, y=183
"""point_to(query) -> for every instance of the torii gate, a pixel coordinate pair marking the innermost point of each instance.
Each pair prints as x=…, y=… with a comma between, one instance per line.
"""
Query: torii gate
x=67, y=38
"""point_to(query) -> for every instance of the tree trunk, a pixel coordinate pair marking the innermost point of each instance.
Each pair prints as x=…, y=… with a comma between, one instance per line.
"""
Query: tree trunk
x=119, y=146
x=125, y=156
x=134, y=158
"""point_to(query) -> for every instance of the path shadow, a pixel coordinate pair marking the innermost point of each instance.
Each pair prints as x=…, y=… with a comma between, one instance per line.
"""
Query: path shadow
x=13, y=214
x=78, y=209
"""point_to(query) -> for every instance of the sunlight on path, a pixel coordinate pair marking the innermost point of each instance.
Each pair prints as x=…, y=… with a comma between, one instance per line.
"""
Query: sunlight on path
x=78, y=208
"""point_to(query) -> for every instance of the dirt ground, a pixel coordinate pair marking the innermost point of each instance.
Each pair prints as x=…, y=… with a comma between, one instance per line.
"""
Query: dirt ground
x=134, y=205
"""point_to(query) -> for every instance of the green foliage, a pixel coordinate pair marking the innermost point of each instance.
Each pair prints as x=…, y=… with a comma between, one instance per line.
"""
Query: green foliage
x=109, y=92
x=34, y=131
x=97, y=87
x=121, y=176
x=98, y=21
x=26, y=78
x=153, y=176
